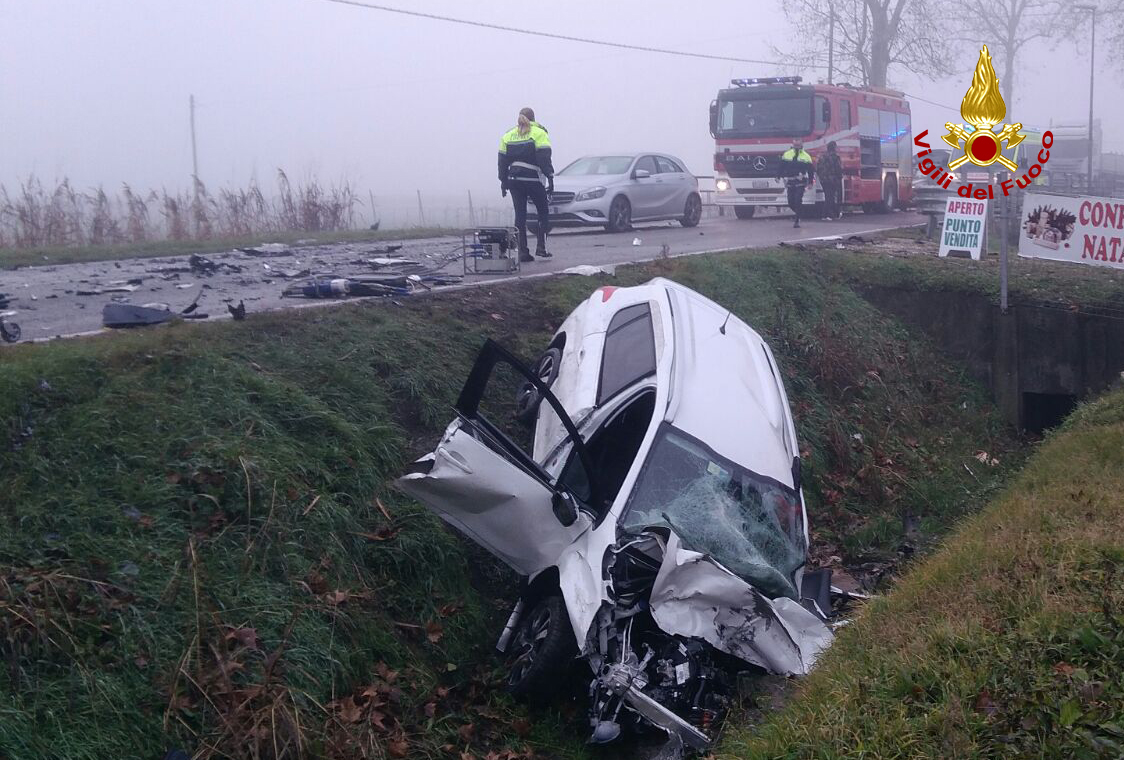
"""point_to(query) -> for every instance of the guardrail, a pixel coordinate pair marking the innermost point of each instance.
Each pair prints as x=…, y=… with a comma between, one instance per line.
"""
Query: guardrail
x=931, y=200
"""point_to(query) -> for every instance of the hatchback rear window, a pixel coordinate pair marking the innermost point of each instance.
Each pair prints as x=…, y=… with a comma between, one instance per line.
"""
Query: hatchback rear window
x=630, y=351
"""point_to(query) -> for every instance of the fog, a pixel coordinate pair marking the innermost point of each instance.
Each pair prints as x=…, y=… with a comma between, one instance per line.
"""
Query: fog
x=97, y=90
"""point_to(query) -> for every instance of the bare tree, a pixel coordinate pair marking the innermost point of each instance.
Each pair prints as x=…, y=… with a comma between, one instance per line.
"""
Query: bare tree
x=870, y=37
x=1007, y=26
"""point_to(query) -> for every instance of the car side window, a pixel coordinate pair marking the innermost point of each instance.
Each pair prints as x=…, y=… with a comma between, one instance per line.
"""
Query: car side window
x=667, y=166
x=648, y=163
x=630, y=351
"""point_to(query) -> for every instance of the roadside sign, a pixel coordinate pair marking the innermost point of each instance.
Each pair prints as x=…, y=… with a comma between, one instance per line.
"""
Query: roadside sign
x=964, y=225
x=1081, y=230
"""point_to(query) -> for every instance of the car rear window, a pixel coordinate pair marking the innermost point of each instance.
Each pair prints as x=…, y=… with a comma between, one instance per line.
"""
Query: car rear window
x=667, y=166
x=630, y=351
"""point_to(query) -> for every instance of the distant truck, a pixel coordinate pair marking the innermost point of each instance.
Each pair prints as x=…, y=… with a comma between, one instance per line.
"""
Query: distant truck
x=755, y=121
x=1068, y=168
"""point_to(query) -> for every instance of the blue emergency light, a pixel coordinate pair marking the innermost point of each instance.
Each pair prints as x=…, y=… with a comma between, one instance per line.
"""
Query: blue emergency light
x=766, y=80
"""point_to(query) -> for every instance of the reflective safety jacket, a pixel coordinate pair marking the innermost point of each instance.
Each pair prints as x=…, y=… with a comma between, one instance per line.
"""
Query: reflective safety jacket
x=794, y=164
x=526, y=157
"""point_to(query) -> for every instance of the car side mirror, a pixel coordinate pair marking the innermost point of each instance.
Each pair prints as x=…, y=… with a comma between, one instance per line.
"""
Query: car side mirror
x=564, y=510
x=641, y=174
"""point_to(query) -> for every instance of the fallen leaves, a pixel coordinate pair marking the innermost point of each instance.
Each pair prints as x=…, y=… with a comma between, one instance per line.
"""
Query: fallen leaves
x=385, y=533
x=247, y=637
x=985, y=458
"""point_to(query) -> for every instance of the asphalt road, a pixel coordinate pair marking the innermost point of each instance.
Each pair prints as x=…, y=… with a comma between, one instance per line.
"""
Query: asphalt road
x=49, y=305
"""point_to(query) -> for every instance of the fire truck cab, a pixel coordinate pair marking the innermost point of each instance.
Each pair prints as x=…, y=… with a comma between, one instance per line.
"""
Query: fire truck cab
x=755, y=121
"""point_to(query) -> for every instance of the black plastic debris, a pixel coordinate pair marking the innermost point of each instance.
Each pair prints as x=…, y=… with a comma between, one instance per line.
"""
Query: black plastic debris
x=201, y=265
x=238, y=312
x=123, y=315
x=269, y=249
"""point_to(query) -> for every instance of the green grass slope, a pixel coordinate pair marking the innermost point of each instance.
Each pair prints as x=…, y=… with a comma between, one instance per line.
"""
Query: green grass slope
x=1007, y=642
x=198, y=547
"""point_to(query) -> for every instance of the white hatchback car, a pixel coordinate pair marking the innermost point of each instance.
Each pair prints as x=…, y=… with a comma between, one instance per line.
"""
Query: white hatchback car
x=655, y=510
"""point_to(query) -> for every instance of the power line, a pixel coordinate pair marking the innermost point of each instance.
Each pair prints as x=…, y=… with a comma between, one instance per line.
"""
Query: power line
x=589, y=41
x=565, y=37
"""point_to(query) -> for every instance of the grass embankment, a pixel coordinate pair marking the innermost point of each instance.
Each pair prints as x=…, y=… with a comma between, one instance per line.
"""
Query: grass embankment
x=13, y=258
x=1007, y=642
x=193, y=553
x=1029, y=280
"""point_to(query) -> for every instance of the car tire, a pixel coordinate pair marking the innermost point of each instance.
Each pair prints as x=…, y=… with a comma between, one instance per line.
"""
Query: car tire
x=10, y=331
x=620, y=215
x=692, y=211
x=541, y=650
x=528, y=400
x=744, y=212
x=889, y=200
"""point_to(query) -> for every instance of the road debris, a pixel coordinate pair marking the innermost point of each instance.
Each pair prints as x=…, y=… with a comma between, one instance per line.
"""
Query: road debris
x=121, y=315
x=267, y=249
x=204, y=266
x=588, y=270
x=238, y=312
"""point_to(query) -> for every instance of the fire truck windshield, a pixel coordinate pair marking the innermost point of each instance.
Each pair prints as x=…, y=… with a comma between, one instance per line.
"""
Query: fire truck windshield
x=765, y=116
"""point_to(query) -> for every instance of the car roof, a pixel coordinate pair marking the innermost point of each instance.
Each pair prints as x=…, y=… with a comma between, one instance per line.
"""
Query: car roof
x=726, y=387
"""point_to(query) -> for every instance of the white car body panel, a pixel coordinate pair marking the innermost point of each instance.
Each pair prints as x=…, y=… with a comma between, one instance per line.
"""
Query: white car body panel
x=716, y=380
x=496, y=504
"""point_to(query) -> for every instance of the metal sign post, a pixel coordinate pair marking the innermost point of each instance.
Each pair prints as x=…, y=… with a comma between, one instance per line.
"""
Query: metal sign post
x=1004, y=204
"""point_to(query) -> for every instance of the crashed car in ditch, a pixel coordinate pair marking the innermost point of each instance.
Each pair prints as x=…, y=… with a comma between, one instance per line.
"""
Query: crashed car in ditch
x=644, y=478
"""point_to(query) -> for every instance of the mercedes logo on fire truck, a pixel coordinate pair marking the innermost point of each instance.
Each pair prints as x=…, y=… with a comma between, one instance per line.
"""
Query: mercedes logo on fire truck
x=759, y=163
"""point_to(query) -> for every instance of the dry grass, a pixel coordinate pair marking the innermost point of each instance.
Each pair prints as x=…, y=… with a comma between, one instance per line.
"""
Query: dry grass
x=37, y=216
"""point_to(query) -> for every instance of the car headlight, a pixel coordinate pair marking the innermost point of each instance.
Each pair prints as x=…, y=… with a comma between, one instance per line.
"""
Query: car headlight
x=723, y=185
x=591, y=194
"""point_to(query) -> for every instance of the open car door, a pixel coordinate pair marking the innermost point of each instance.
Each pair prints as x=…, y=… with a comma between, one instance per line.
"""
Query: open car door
x=482, y=482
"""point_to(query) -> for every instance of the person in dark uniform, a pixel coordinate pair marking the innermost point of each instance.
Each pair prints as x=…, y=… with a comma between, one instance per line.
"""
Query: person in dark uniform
x=830, y=171
x=796, y=164
x=526, y=171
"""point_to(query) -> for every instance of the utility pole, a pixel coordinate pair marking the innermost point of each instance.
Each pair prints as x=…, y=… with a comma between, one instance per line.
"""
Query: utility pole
x=831, y=45
x=421, y=211
x=194, y=155
x=471, y=210
x=1092, y=68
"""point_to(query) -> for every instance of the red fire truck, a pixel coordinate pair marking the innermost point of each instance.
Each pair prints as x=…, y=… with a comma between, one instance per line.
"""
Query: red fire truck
x=755, y=120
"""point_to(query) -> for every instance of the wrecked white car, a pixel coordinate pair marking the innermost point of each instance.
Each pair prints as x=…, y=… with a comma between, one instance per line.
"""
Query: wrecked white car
x=644, y=477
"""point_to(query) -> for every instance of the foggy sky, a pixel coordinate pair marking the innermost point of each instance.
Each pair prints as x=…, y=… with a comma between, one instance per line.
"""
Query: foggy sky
x=97, y=90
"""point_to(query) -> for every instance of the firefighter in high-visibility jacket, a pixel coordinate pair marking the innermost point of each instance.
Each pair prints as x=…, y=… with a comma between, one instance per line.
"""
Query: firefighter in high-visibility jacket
x=526, y=171
x=796, y=163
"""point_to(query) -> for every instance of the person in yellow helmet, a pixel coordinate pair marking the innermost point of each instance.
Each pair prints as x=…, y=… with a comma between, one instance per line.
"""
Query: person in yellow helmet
x=796, y=163
x=527, y=172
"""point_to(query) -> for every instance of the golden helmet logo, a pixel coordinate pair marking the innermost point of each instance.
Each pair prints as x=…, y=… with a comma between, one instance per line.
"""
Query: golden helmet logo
x=983, y=108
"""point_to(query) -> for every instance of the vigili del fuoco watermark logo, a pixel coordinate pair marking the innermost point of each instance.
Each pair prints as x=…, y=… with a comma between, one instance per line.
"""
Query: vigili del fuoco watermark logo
x=977, y=141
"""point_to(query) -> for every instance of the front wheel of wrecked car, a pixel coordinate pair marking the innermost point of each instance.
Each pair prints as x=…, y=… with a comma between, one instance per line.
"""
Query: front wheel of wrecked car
x=528, y=400
x=541, y=651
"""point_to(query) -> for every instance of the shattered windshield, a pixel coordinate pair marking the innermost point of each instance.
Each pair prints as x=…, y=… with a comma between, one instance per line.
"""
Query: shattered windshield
x=765, y=117
x=751, y=525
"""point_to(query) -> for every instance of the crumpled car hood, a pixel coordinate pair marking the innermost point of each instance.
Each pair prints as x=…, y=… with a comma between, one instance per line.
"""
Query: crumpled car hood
x=694, y=596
